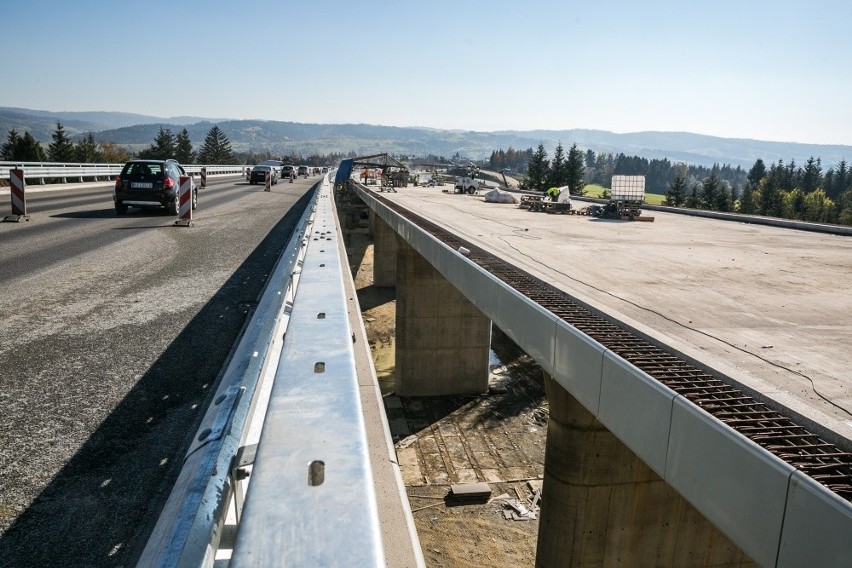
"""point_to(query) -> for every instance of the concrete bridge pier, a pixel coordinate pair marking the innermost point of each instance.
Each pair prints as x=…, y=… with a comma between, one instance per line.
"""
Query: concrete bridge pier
x=442, y=339
x=603, y=506
x=384, y=252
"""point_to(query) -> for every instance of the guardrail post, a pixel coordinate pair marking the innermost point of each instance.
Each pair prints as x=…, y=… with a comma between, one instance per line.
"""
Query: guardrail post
x=19, y=200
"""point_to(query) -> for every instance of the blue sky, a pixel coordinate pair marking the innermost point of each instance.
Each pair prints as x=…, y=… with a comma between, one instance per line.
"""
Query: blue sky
x=764, y=69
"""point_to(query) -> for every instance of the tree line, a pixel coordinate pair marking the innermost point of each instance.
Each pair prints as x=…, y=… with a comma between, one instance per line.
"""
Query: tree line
x=216, y=149
x=788, y=191
x=562, y=170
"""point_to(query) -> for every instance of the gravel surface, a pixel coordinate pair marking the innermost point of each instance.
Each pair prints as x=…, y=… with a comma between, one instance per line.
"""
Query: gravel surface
x=113, y=334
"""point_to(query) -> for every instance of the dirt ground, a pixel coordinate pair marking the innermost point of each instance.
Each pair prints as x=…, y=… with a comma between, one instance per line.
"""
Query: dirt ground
x=497, y=438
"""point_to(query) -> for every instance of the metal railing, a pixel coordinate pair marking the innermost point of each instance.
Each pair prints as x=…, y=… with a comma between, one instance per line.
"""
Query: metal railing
x=312, y=459
x=65, y=171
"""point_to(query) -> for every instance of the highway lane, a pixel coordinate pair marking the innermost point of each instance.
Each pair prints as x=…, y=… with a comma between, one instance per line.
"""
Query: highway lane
x=113, y=333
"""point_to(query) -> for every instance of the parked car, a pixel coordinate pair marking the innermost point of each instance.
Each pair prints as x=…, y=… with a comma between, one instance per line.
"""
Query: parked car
x=259, y=172
x=149, y=184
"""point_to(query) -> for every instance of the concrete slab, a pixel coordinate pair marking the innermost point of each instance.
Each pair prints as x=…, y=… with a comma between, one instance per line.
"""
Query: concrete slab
x=766, y=306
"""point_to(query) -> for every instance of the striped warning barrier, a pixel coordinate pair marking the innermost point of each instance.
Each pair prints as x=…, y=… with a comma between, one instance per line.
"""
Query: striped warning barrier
x=19, y=200
x=203, y=178
x=268, y=180
x=185, y=197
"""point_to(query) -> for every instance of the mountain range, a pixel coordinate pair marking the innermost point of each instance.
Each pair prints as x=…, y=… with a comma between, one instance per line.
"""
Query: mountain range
x=138, y=131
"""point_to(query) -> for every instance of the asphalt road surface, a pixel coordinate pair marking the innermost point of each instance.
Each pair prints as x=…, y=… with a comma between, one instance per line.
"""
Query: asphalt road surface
x=113, y=332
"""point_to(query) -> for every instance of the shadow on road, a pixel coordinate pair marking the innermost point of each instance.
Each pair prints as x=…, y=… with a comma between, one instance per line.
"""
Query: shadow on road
x=101, y=506
x=110, y=214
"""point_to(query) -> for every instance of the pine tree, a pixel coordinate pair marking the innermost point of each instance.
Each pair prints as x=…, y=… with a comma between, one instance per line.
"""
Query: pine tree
x=771, y=198
x=575, y=171
x=604, y=165
x=183, y=148
x=29, y=149
x=710, y=191
x=842, y=179
x=87, y=150
x=812, y=175
x=756, y=173
x=723, y=197
x=537, y=169
x=693, y=201
x=61, y=149
x=676, y=195
x=216, y=148
x=163, y=147
x=557, y=175
x=844, y=207
x=7, y=151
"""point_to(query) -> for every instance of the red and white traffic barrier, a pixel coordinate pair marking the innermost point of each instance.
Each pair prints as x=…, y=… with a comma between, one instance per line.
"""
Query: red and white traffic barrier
x=268, y=181
x=185, y=197
x=203, y=178
x=19, y=200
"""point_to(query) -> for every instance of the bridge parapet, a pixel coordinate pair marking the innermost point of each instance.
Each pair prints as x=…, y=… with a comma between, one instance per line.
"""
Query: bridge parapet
x=751, y=496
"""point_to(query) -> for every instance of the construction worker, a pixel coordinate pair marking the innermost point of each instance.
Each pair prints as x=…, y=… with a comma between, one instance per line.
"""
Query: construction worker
x=553, y=193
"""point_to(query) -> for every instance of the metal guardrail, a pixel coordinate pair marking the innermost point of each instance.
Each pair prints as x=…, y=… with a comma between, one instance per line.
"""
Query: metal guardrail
x=63, y=171
x=189, y=528
x=310, y=500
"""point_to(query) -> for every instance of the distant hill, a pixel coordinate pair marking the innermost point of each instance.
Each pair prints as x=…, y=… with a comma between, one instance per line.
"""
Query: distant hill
x=138, y=131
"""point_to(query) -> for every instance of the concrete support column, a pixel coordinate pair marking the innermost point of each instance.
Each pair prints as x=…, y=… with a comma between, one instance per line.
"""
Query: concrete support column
x=442, y=340
x=602, y=506
x=384, y=252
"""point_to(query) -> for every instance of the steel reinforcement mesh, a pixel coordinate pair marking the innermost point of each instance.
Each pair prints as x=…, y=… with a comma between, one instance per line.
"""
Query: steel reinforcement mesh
x=807, y=452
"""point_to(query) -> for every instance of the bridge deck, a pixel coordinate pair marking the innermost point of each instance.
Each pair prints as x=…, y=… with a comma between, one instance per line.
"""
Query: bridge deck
x=763, y=305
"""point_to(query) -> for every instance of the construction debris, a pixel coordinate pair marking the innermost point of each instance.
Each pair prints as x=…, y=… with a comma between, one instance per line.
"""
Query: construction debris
x=470, y=492
x=405, y=442
x=497, y=196
x=515, y=510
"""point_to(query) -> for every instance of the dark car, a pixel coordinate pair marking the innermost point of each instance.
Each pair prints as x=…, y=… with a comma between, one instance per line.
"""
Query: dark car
x=151, y=183
x=259, y=173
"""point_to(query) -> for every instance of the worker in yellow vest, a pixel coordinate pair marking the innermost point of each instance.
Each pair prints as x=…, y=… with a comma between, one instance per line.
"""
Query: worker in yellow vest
x=553, y=193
